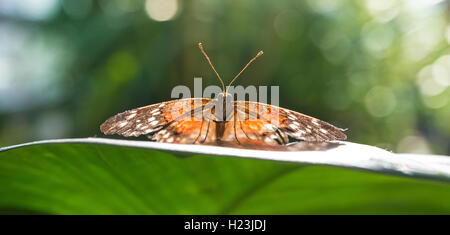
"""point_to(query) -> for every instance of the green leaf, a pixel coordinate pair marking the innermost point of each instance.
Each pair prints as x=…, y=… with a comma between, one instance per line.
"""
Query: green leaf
x=100, y=176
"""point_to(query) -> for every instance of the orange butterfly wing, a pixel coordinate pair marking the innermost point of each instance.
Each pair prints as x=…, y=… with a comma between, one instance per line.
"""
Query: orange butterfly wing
x=172, y=121
x=191, y=121
x=276, y=125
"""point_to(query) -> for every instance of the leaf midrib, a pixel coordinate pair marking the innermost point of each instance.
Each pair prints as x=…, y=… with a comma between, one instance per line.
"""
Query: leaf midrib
x=256, y=187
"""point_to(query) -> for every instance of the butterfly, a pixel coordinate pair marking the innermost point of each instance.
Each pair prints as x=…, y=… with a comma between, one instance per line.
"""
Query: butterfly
x=220, y=120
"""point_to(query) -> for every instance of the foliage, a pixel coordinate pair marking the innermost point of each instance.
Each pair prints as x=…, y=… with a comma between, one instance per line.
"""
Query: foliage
x=76, y=178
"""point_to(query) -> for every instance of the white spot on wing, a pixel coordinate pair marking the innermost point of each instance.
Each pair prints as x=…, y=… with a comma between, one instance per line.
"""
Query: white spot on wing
x=269, y=126
x=162, y=132
x=166, y=135
x=135, y=133
x=148, y=130
x=131, y=115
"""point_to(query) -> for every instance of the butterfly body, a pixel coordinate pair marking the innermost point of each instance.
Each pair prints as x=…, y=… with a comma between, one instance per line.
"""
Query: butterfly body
x=222, y=111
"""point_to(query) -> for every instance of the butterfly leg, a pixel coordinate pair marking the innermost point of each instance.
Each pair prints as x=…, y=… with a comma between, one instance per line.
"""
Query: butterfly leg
x=199, y=132
x=242, y=129
x=206, y=135
x=234, y=127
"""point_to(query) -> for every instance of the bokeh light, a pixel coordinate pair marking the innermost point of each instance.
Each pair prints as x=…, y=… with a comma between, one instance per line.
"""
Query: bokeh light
x=161, y=10
x=441, y=70
x=428, y=85
x=413, y=144
x=380, y=101
x=29, y=9
x=447, y=34
x=377, y=37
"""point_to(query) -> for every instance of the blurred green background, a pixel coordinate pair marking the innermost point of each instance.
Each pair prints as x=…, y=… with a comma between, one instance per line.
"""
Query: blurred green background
x=378, y=67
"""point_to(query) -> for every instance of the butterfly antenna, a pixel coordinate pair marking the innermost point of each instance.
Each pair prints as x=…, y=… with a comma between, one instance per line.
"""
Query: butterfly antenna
x=212, y=66
x=254, y=58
